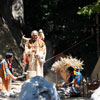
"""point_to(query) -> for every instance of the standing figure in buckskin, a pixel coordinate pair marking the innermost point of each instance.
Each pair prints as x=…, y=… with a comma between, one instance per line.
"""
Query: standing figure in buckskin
x=35, y=53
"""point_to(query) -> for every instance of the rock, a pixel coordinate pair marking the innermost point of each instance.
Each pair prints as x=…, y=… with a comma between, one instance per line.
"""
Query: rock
x=96, y=94
x=37, y=88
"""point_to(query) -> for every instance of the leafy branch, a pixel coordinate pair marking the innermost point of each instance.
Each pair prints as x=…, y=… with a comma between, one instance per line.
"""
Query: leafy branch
x=90, y=9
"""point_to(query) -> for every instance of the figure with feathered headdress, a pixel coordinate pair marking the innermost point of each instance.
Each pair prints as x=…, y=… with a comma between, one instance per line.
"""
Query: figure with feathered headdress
x=34, y=54
x=25, y=57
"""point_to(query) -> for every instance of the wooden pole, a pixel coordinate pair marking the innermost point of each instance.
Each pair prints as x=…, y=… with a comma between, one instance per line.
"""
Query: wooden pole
x=97, y=77
x=92, y=31
x=83, y=86
x=97, y=32
x=56, y=78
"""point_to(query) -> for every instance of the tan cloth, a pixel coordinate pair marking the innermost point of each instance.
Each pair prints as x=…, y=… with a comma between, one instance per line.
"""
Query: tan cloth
x=35, y=62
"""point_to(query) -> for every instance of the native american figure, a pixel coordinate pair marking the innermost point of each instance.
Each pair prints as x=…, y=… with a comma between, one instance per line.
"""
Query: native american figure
x=62, y=64
x=5, y=73
x=35, y=53
x=69, y=68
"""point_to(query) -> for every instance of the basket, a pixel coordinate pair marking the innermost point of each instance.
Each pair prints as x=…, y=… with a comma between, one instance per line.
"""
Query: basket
x=31, y=74
x=92, y=86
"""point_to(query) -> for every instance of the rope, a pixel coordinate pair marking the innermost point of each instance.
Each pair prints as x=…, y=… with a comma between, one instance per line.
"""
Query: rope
x=69, y=48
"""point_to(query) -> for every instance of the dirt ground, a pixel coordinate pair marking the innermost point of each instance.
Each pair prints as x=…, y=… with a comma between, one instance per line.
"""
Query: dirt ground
x=16, y=87
x=74, y=98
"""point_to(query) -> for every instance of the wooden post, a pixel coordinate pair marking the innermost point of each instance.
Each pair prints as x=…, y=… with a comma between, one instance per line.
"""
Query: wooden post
x=83, y=86
x=56, y=78
x=87, y=81
x=97, y=77
x=92, y=31
x=97, y=32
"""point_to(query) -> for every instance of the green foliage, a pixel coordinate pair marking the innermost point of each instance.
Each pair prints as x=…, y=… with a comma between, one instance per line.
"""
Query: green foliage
x=90, y=9
x=48, y=7
x=45, y=6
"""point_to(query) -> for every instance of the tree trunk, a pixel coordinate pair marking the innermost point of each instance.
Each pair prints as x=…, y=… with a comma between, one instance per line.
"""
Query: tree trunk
x=11, y=22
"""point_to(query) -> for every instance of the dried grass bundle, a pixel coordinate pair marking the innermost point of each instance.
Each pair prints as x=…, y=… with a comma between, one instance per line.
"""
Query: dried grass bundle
x=64, y=63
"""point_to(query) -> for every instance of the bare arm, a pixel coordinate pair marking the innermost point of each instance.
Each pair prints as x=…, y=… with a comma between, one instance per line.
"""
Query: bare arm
x=13, y=77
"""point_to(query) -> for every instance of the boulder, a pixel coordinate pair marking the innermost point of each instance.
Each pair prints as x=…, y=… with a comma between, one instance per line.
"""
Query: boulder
x=37, y=88
x=96, y=94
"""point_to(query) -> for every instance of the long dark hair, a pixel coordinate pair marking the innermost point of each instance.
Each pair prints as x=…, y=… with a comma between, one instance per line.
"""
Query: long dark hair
x=71, y=69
